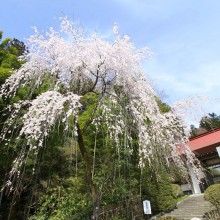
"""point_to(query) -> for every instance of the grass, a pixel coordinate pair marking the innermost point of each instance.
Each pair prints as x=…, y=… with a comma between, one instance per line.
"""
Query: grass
x=182, y=198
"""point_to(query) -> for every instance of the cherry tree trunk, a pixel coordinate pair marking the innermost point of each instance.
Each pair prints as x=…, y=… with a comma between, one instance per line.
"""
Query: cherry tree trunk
x=92, y=187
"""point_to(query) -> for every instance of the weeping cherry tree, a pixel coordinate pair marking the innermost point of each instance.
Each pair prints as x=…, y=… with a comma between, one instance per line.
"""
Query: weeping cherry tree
x=75, y=64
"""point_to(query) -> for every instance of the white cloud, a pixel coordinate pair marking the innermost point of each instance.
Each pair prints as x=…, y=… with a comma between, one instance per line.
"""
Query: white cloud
x=201, y=81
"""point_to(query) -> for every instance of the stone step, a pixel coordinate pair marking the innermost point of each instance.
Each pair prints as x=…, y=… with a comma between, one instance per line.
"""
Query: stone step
x=193, y=206
x=182, y=214
x=185, y=217
x=191, y=210
x=185, y=213
x=180, y=217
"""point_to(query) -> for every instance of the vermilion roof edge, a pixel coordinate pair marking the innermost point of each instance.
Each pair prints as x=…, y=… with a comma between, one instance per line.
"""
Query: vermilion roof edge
x=204, y=134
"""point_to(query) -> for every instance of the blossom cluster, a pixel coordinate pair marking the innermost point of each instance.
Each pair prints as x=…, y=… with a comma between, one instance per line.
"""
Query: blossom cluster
x=44, y=112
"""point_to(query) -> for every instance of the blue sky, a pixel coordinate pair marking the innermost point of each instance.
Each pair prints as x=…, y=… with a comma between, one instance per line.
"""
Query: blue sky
x=183, y=35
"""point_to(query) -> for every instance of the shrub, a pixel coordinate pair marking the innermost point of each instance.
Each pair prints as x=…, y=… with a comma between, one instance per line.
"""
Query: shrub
x=212, y=194
x=177, y=190
x=159, y=191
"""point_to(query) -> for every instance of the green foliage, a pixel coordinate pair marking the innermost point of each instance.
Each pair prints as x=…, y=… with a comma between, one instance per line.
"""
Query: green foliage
x=1, y=34
x=8, y=152
x=10, y=49
x=4, y=43
x=17, y=47
x=4, y=74
x=164, y=108
x=89, y=102
x=177, y=190
x=193, y=131
x=10, y=61
x=158, y=189
x=64, y=201
x=13, y=46
x=210, y=122
x=207, y=123
x=212, y=194
x=182, y=198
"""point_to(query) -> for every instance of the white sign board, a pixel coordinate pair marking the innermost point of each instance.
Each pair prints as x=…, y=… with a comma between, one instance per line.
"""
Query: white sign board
x=218, y=150
x=147, y=207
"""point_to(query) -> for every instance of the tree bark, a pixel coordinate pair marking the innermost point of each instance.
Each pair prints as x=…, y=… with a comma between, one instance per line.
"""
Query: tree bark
x=92, y=187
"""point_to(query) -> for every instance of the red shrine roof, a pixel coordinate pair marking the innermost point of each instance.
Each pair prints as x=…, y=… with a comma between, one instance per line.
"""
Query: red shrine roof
x=205, y=142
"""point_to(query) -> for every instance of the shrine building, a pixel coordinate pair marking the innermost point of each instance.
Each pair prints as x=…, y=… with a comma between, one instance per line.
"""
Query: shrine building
x=206, y=148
